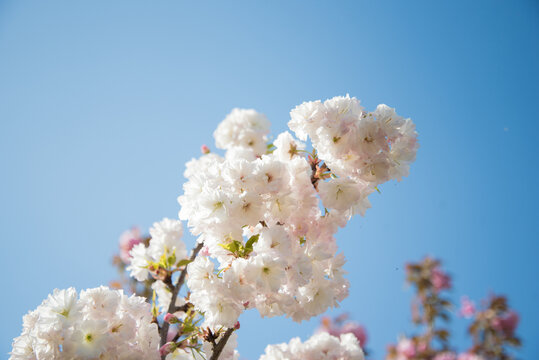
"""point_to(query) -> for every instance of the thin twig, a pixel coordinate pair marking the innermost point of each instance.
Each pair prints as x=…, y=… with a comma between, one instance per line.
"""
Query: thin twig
x=218, y=348
x=175, y=291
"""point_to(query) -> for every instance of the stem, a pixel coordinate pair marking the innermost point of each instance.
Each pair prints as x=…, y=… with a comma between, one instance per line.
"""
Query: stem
x=218, y=348
x=175, y=291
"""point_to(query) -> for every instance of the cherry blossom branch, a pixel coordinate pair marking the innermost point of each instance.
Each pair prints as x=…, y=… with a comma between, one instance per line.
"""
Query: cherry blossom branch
x=218, y=348
x=175, y=291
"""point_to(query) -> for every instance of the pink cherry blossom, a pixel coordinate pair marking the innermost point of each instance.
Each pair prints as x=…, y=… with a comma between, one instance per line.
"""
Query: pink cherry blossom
x=440, y=280
x=167, y=348
x=337, y=328
x=128, y=239
x=447, y=355
x=359, y=332
x=406, y=348
x=507, y=323
x=467, y=307
x=469, y=356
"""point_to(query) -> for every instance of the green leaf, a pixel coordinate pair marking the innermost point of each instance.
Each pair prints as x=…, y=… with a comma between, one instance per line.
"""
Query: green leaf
x=171, y=260
x=235, y=247
x=249, y=244
x=152, y=265
x=155, y=311
x=226, y=247
x=238, y=249
x=163, y=259
x=270, y=148
x=184, y=262
x=231, y=247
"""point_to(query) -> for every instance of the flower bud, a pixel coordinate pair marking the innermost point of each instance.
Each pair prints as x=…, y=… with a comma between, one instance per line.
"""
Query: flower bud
x=171, y=318
x=167, y=348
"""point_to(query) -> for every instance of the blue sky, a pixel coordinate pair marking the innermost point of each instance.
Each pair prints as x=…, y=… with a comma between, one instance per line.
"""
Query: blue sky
x=102, y=103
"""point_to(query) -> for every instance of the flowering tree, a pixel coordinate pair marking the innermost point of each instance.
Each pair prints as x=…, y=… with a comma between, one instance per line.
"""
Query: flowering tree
x=265, y=215
x=492, y=329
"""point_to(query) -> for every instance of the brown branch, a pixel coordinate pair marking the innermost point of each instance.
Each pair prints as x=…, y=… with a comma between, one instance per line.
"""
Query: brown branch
x=218, y=348
x=184, y=307
x=175, y=291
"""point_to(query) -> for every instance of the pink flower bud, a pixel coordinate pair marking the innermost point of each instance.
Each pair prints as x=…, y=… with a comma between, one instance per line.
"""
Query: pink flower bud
x=171, y=318
x=237, y=325
x=204, y=149
x=172, y=332
x=167, y=348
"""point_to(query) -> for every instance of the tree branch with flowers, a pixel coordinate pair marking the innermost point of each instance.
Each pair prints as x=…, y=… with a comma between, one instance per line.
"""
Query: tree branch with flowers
x=265, y=215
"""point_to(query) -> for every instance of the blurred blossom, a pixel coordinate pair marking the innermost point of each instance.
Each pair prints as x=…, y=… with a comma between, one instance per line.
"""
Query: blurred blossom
x=467, y=307
x=506, y=323
x=446, y=355
x=406, y=348
x=440, y=280
x=340, y=326
x=469, y=356
x=422, y=346
x=128, y=239
x=492, y=329
x=327, y=326
x=357, y=330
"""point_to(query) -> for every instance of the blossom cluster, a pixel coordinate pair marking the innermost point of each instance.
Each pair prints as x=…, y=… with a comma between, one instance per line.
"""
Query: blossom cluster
x=321, y=346
x=371, y=147
x=341, y=325
x=257, y=209
x=165, y=248
x=128, y=239
x=100, y=324
x=265, y=215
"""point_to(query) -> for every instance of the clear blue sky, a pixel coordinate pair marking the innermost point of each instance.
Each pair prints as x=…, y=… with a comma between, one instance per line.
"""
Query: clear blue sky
x=102, y=102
